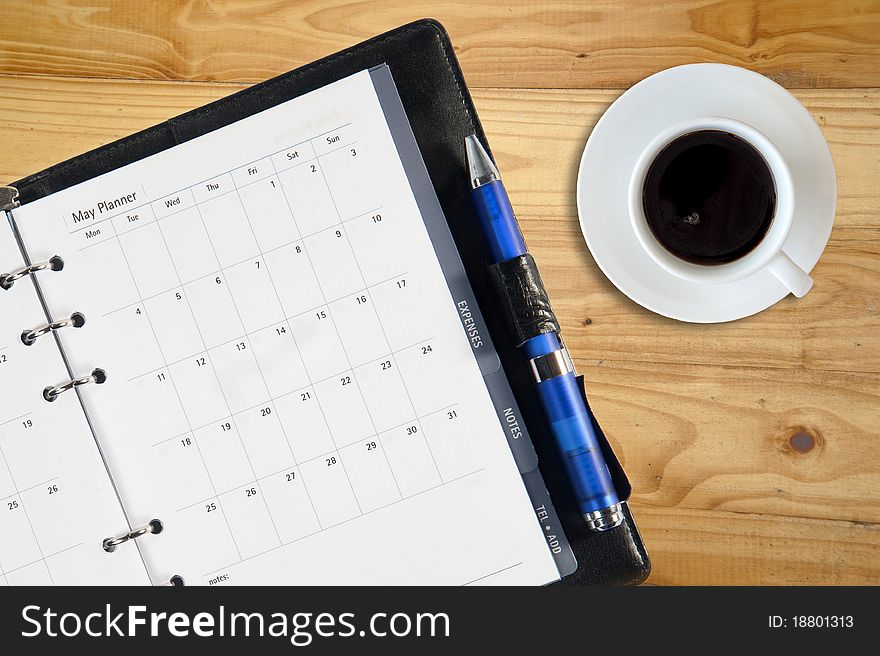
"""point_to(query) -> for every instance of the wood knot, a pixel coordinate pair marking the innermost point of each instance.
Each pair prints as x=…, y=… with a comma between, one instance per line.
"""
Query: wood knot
x=802, y=442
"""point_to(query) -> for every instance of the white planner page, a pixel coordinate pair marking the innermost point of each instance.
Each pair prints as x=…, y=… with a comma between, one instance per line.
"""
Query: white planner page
x=289, y=388
x=57, y=504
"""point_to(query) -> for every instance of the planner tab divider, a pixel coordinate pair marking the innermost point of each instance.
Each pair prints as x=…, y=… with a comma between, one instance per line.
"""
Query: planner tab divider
x=506, y=407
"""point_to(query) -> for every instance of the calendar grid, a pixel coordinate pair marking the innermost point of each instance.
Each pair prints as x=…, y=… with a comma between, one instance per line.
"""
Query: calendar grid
x=379, y=319
x=153, y=249
x=286, y=394
x=333, y=321
x=18, y=493
x=285, y=320
x=214, y=369
x=174, y=386
x=213, y=274
x=298, y=464
x=238, y=432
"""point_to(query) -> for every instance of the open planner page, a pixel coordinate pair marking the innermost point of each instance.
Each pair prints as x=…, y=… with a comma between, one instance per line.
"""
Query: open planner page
x=290, y=389
x=57, y=504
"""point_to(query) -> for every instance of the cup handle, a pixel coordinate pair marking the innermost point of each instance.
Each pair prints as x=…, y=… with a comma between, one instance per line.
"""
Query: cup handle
x=791, y=275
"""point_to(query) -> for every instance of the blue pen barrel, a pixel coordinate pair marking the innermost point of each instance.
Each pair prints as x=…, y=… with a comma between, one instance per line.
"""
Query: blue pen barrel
x=499, y=223
x=577, y=442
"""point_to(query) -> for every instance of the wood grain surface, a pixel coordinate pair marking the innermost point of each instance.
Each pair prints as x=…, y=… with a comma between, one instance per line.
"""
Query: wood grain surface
x=752, y=446
x=520, y=43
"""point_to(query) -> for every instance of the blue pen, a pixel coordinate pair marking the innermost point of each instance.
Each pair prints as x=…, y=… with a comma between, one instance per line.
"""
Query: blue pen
x=550, y=362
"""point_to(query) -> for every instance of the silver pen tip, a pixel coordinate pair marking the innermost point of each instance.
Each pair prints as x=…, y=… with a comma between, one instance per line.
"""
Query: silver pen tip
x=481, y=168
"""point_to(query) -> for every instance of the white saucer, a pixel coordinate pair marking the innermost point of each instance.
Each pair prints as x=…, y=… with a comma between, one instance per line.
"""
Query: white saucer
x=670, y=97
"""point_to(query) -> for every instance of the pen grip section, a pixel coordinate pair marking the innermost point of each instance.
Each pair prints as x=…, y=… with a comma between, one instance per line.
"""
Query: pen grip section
x=522, y=295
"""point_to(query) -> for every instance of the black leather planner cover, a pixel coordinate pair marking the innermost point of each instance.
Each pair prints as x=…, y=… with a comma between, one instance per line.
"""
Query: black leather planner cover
x=440, y=111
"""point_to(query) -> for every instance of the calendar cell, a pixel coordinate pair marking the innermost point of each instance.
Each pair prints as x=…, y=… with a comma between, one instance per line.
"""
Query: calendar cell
x=134, y=322
x=149, y=261
x=173, y=323
x=406, y=317
x=303, y=421
x=370, y=234
x=264, y=440
x=344, y=409
x=294, y=279
x=330, y=490
x=23, y=450
x=214, y=311
x=157, y=391
x=20, y=464
x=288, y=501
x=308, y=197
x=53, y=515
x=209, y=535
x=334, y=263
x=411, y=459
x=229, y=230
x=385, y=394
x=200, y=393
x=224, y=456
x=239, y=375
x=254, y=294
x=110, y=292
x=319, y=344
x=455, y=450
x=249, y=520
x=370, y=475
x=282, y=367
x=19, y=544
x=427, y=375
x=269, y=214
x=189, y=245
x=359, y=328
x=184, y=475
x=352, y=180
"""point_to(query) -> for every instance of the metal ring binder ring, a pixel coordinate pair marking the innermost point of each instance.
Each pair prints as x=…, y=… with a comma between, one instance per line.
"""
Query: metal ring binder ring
x=54, y=263
x=155, y=527
x=76, y=320
x=98, y=376
x=175, y=581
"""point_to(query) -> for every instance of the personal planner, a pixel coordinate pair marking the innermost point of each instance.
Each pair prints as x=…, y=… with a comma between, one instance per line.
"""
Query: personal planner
x=283, y=372
x=253, y=345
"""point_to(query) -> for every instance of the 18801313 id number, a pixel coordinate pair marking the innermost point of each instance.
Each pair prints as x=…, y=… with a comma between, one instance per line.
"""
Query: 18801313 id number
x=811, y=622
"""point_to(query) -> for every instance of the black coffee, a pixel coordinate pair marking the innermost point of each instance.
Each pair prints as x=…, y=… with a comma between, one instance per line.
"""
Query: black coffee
x=709, y=197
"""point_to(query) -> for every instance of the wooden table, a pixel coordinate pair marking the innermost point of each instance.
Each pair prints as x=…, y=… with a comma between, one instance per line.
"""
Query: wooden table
x=752, y=446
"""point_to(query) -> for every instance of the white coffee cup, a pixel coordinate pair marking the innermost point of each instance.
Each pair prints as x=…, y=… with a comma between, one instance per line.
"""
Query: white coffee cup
x=769, y=254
